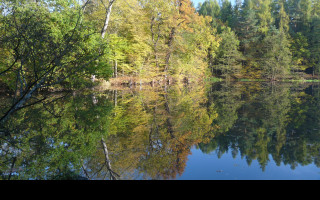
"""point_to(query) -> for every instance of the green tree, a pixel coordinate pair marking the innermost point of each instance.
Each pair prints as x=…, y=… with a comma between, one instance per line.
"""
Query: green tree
x=248, y=30
x=49, y=44
x=236, y=15
x=264, y=15
x=228, y=55
x=300, y=52
x=306, y=9
x=226, y=13
x=210, y=8
x=275, y=55
x=315, y=44
x=284, y=20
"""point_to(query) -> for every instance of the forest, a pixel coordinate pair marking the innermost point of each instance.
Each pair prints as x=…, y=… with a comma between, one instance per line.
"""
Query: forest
x=268, y=39
x=45, y=43
x=142, y=82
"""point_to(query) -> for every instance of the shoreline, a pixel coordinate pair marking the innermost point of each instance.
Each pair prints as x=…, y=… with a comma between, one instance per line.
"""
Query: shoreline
x=135, y=82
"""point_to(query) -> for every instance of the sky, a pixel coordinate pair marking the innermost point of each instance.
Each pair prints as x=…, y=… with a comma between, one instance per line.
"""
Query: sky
x=196, y=2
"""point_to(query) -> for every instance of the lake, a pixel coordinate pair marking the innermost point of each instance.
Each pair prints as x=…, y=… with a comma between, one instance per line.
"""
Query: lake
x=212, y=131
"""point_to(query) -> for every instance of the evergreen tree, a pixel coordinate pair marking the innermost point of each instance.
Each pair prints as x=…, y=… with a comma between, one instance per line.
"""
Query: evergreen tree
x=210, y=8
x=248, y=29
x=284, y=20
x=226, y=13
x=264, y=15
x=275, y=57
x=294, y=15
x=236, y=15
x=300, y=51
x=315, y=44
x=306, y=9
x=228, y=55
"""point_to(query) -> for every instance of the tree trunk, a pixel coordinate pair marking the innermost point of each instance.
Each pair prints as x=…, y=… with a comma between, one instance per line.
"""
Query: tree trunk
x=105, y=26
x=106, y=21
x=115, y=69
x=114, y=176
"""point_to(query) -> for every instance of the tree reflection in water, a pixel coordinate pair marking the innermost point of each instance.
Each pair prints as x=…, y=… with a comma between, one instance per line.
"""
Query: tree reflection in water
x=149, y=134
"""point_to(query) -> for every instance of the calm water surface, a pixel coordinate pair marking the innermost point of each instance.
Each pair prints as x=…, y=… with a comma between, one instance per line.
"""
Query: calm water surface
x=219, y=131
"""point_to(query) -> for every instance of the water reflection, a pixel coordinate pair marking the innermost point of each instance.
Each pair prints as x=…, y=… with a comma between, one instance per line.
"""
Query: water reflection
x=279, y=122
x=149, y=133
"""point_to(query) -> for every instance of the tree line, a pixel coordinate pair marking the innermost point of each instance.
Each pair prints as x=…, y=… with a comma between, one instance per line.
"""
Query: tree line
x=58, y=44
x=156, y=40
x=265, y=38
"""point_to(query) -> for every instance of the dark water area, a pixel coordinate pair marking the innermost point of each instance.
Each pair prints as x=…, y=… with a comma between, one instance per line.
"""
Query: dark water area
x=218, y=131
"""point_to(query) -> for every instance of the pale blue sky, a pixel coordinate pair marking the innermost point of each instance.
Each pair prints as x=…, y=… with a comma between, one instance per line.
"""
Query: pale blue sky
x=196, y=2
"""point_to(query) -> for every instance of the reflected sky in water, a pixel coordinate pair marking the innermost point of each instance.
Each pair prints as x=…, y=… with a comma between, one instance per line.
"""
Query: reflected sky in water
x=210, y=167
